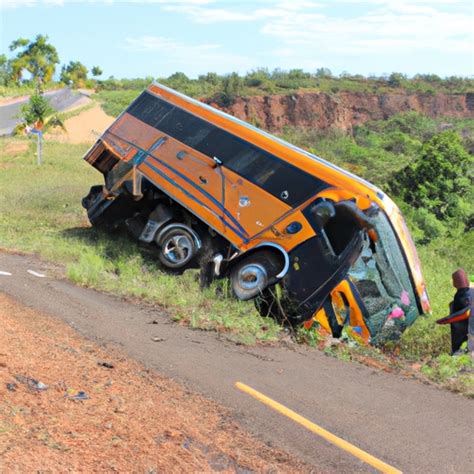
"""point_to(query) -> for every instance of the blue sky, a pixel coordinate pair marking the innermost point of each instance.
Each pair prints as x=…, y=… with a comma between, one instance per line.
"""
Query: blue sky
x=159, y=37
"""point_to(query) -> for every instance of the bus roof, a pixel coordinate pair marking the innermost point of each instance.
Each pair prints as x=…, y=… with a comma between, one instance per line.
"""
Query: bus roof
x=269, y=137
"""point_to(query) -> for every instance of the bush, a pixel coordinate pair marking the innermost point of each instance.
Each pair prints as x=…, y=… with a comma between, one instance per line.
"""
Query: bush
x=424, y=225
x=396, y=79
x=36, y=110
x=438, y=180
x=257, y=78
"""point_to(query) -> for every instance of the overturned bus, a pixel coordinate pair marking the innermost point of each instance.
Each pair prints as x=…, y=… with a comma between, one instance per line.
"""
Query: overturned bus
x=304, y=238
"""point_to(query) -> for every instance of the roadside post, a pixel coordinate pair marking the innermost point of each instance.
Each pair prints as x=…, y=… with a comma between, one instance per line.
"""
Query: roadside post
x=39, y=147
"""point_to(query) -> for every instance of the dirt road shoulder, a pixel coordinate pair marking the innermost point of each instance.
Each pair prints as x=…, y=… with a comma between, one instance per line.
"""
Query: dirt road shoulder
x=68, y=404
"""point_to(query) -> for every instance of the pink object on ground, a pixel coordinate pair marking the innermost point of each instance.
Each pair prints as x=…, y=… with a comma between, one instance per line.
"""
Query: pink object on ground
x=396, y=313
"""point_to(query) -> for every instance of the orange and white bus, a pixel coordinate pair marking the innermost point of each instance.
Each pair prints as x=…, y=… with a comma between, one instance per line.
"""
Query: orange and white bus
x=302, y=237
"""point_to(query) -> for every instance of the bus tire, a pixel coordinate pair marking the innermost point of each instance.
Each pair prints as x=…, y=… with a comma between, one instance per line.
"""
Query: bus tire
x=251, y=275
x=177, y=248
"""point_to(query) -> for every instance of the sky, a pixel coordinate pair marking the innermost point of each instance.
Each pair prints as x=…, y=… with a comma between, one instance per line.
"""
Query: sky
x=141, y=38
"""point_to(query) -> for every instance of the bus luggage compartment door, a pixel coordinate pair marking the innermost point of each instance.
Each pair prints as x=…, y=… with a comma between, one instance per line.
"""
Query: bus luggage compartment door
x=191, y=179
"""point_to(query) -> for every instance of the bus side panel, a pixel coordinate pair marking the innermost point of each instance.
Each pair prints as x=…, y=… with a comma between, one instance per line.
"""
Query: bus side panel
x=244, y=210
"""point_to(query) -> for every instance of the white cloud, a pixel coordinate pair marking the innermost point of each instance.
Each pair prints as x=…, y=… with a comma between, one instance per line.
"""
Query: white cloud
x=295, y=58
x=200, y=14
x=386, y=26
x=266, y=9
x=197, y=58
x=401, y=28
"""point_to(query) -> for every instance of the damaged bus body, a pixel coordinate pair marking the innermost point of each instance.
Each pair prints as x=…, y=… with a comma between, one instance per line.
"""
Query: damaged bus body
x=301, y=236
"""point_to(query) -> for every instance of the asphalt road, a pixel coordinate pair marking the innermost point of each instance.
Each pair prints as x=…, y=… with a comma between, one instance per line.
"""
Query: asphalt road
x=411, y=426
x=60, y=100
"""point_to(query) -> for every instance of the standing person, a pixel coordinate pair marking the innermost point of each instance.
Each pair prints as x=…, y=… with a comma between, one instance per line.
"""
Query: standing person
x=463, y=298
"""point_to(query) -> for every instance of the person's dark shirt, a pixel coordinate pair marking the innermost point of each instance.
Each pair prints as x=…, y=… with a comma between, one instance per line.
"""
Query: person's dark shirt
x=462, y=299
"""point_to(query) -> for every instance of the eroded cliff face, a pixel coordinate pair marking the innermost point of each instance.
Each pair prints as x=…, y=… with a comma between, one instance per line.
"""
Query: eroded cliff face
x=345, y=109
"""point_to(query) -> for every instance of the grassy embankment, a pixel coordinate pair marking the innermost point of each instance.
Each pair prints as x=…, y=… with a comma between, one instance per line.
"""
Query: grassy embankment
x=24, y=89
x=40, y=212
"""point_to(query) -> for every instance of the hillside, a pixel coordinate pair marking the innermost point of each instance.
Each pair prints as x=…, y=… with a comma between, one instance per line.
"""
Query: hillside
x=344, y=110
x=308, y=108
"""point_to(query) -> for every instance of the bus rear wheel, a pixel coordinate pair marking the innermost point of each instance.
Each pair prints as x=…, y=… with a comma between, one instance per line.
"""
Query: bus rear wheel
x=177, y=248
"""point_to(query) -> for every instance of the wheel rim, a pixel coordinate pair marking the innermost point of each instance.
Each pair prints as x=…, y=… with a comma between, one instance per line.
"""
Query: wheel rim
x=178, y=249
x=252, y=276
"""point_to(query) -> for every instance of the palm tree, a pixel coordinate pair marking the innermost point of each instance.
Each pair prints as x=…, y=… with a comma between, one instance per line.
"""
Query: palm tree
x=36, y=112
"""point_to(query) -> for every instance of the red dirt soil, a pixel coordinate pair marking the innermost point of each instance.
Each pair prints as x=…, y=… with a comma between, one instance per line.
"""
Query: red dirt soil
x=83, y=128
x=133, y=421
x=344, y=110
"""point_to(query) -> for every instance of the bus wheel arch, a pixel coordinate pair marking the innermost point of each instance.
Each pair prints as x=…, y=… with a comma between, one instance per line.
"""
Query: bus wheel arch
x=257, y=269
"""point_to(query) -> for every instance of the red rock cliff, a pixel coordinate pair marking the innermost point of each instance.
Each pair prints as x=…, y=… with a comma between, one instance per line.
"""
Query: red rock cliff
x=345, y=109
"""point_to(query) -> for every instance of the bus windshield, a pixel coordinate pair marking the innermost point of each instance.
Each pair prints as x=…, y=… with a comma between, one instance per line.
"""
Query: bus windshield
x=382, y=279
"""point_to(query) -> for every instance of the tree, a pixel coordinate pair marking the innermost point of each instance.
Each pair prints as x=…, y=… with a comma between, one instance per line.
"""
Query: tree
x=74, y=73
x=96, y=71
x=231, y=88
x=5, y=70
x=211, y=78
x=298, y=74
x=38, y=57
x=177, y=79
x=438, y=180
x=257, y=77
x=232, y=84
x=396, y=79
x=323, y=72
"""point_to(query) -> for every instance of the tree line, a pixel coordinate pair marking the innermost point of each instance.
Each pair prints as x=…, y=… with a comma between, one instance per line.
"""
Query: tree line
x=39, y=58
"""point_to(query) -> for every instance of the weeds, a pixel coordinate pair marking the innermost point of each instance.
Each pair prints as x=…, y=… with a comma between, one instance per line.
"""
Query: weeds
x=455, y=373
x=312, y=337
x=40, y=212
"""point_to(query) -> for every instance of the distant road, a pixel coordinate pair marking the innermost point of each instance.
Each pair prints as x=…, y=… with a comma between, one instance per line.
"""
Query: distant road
x=413, y=427
x=61, y=100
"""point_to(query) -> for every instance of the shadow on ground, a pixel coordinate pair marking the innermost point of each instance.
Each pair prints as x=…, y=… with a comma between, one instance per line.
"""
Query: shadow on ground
x=113, y=244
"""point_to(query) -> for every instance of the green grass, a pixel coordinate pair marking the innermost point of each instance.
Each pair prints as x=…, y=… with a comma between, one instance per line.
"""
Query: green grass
x=114, y=102
x=27, y=88
x=379, y=151
x=426, y=339
x=40, y=212
x=16, y=91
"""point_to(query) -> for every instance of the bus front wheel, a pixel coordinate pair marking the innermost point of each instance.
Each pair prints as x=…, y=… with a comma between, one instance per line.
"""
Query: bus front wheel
x=251, y=275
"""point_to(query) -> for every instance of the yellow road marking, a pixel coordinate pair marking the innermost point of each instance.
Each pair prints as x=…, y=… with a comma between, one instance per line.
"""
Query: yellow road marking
x=346, y=446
